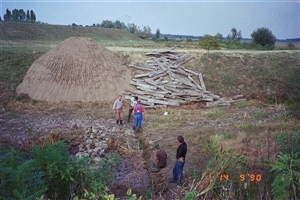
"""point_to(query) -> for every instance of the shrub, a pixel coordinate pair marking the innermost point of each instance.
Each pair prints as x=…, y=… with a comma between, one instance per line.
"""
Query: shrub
x=286, y=170
x=264, y=37
x=54, y=160
x=20, y=179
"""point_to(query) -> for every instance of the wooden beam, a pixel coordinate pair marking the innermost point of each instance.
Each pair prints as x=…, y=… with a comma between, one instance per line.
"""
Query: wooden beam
x=202, y=82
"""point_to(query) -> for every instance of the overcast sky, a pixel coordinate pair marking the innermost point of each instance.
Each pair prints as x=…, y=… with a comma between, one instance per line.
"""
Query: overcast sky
x=173, y=17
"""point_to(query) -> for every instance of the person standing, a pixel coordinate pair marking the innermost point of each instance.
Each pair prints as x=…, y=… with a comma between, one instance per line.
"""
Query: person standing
x=118, y=109
x=133, y=102
x=180, y=161
x=158, y=159
x=138, y=111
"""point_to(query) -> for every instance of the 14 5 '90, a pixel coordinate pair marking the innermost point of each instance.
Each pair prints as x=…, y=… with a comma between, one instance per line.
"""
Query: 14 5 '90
x=243, y=177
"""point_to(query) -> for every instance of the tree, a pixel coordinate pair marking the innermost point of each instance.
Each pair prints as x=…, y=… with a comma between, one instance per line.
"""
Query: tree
x=15, y=15
x=264, y=37
x=290, y=45
x=208, y=42
x=32, y=16
x=234, y=36
x=117, y=24
x=132, y=28
x=219, y=35
x=7, y=16
x=22, y=15
x=157, y=34
x=28, y=16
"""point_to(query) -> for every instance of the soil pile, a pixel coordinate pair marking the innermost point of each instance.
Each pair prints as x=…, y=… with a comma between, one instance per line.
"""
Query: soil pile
x=77, y=69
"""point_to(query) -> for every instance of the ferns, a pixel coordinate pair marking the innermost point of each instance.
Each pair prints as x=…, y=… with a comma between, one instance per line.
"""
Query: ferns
x=23, y=182
x=53, y=173
x=286, y=184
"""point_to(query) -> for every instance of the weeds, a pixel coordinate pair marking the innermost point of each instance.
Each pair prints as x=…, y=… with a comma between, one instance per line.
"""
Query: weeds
x=215, y=113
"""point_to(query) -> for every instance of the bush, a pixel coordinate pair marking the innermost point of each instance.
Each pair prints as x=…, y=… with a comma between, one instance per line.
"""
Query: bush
x=264, y=37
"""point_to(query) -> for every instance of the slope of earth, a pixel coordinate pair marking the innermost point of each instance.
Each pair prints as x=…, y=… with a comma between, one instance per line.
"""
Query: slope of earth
x=44, y=32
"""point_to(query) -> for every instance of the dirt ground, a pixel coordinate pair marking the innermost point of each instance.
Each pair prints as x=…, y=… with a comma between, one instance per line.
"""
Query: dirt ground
x=21, y=128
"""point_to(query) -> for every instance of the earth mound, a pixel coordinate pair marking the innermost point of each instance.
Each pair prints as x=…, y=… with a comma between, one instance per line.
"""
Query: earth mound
x=77, y=69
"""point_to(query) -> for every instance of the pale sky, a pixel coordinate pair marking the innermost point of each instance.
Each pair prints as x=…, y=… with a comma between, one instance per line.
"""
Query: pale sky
x=189, y=17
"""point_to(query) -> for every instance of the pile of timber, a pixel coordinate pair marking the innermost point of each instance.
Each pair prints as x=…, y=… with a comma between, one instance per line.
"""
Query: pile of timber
x=163, y=80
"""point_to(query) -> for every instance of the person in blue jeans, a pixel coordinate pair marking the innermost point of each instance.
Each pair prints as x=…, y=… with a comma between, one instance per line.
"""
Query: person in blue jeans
x=180, y=161
x=138, y=111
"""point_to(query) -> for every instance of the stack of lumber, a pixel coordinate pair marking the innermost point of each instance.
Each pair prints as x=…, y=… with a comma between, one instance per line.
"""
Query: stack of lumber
x=163, y=80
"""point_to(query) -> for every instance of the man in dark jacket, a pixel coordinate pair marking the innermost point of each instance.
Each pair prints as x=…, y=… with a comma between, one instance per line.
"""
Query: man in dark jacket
x=180, y=161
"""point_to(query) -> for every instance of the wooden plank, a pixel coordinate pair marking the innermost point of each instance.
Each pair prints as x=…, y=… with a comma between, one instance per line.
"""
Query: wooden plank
x=141, y=75
x=202, y=82
x=133, y=83
x=148, y=89
x=195, y=94
x=198, y=86
x=185, y=60
x=160, y=64
x=156, y=75
x=155, y=106
x=163, y=102
x=146, y=86
x=189, y=71
x=153, y=93
x=207, y=99
x=184, y=81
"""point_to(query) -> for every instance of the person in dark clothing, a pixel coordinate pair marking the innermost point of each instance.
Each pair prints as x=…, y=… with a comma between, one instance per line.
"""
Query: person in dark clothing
x=180, y=161
x=158, y=159
x=133, y=102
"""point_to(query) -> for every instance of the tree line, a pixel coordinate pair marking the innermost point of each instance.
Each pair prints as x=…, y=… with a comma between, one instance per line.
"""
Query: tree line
x=261, y=38
x=143, y=32
x=19, y=15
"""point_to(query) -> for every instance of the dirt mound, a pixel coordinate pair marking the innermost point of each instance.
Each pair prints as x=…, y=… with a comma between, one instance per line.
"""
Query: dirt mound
x=77, y=69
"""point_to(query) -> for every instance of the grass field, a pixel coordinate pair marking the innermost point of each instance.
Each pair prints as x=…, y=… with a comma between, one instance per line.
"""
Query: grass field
x=249, y=129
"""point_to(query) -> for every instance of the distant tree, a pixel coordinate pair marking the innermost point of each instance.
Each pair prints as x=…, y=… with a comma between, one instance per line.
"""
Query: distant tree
x=117, y=25
x=132, y=28
x=22, y=15
x=290, y=45
x=208, y=42
x=27, y=15
x=144, y=32
x=264, y=37
x=235, y=35
x=107, y=24
x=73, y=24
x=32, y=16
x=0, y=19
x=157, y=34
x=123, y=26
x=219, y=35
x=15, y=15
x=7, y=15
